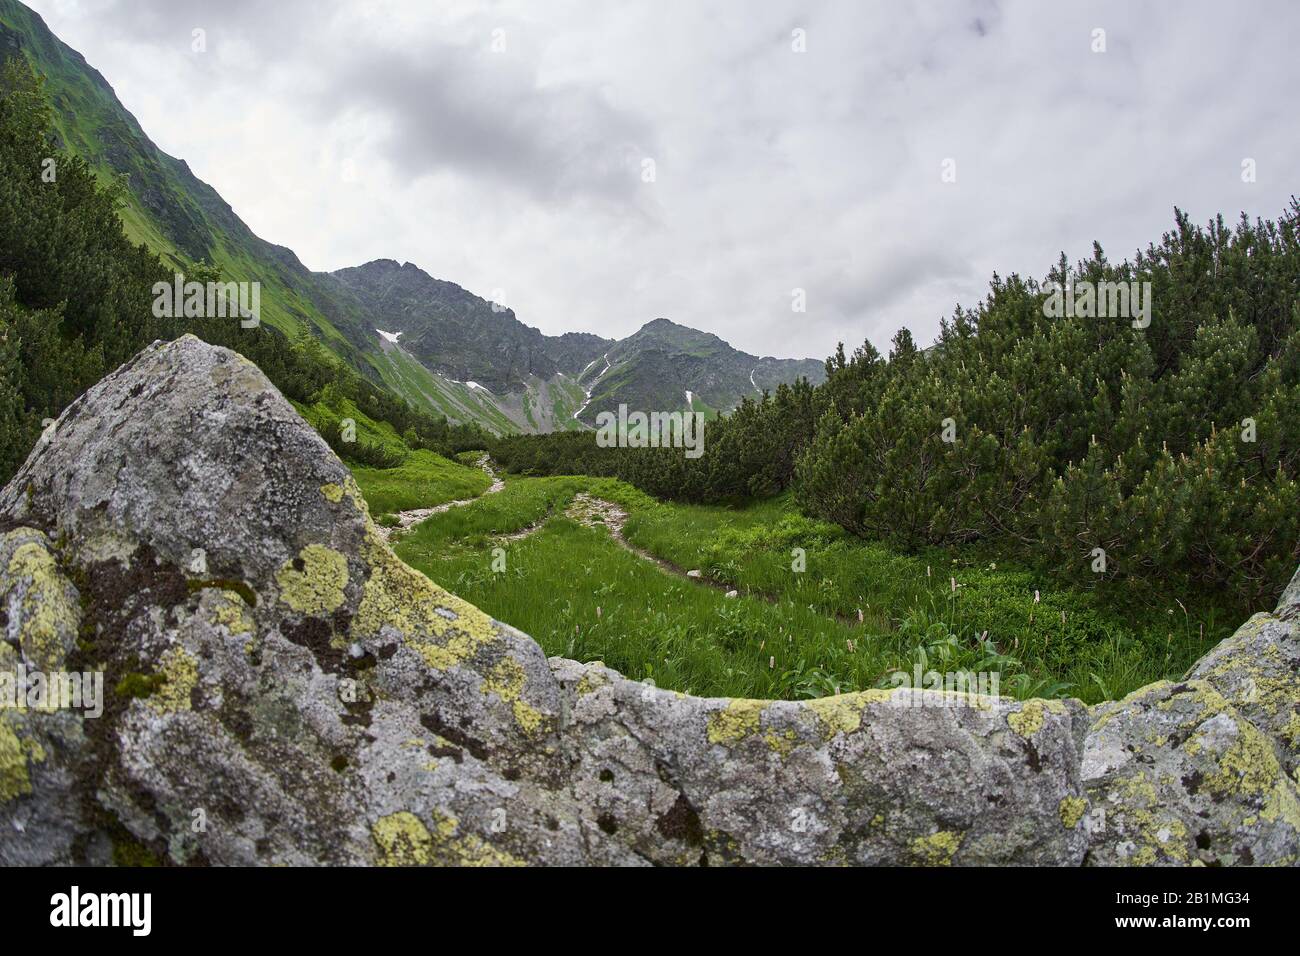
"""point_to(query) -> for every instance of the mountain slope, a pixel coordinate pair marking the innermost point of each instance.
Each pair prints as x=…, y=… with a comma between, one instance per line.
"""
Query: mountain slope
x=665, y=367
x=545, y=383
x=482, y=355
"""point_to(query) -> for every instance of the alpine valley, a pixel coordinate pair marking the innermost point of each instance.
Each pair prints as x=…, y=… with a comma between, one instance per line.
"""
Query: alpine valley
x=441, y=348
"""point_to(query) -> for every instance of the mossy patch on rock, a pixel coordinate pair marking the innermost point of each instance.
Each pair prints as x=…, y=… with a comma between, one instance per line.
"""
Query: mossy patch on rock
x=137, y=686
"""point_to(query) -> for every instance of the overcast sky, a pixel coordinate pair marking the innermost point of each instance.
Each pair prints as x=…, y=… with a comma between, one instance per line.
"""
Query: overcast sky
x=370, y=129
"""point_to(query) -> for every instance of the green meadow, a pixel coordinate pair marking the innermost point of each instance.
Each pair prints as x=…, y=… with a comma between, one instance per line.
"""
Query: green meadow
x=816, y=612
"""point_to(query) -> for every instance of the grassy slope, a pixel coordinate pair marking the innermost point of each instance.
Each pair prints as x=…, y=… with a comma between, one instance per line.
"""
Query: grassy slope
x=422, y=481
x=789, y=634
x=402, y=374
x=567, y=397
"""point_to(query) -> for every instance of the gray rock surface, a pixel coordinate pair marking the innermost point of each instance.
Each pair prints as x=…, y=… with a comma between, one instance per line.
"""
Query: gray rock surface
x=280, y=689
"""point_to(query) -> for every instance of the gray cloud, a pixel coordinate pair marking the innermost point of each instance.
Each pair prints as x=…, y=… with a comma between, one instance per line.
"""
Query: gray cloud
x=389, y=129
x=456, y=106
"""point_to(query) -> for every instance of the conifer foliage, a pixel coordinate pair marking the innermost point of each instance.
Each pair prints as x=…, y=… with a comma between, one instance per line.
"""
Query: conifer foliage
x=1098, y=447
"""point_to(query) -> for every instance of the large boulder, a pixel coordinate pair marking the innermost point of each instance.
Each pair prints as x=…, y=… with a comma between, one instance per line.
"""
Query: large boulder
x=280, y=689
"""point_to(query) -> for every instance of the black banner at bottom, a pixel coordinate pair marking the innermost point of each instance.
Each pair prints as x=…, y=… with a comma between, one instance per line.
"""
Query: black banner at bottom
x=337, y=906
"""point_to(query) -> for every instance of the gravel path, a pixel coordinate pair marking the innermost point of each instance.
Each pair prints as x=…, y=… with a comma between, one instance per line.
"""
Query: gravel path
x=409, y=519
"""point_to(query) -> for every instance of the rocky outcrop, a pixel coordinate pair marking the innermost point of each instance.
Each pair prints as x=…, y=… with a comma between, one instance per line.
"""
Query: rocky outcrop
x=280, y=689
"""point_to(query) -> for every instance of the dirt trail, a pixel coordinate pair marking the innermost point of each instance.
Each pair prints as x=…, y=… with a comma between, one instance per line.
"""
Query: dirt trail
x=597, y=512
x=587, y=510
x=409, y=519
x=591, y=511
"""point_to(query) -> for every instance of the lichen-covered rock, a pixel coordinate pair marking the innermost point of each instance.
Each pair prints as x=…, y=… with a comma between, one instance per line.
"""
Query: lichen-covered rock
x=873, y=777
x=1205, y=771
x=41, y=607
x=1257, y=670
x=281, y=689
x=1177, y=775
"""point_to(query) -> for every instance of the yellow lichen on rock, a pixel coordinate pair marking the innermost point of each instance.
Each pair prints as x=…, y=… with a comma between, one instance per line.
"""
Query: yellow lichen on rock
x=14, y=781
x=334, y=493
x=1072, y=810
x=467, y=850
x=15, y=756
x=1250, y=769
x=592, y=680
x=738, y=720
x=231, y=612
x=1029, y=719
x=937, y=849
x=181, y=671
x=46, y=616
x=782, y=744
x=842, y=714
x=402, y=840
x=506, y=680
x=317, y=587
x=1158, y=832
x=444, y=629
x=1291, y=732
